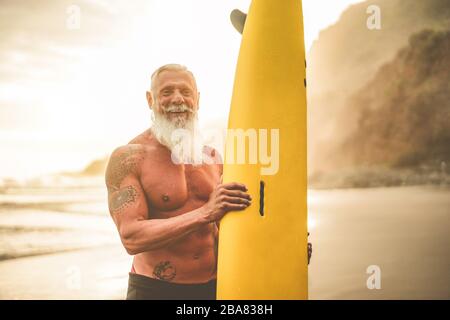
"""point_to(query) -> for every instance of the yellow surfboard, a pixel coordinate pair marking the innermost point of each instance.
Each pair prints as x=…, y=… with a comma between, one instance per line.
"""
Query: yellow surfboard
x=263, y=249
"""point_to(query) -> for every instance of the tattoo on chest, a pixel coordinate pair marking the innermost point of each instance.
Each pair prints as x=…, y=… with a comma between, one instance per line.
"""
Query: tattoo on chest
x=165, y=271
x=123, y=198
x=123, y=164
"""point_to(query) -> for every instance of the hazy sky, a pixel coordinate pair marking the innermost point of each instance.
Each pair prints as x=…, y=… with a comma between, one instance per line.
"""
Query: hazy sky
x=68, y=96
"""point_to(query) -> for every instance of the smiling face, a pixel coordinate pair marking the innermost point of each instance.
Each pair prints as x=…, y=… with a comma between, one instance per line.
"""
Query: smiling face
x=175, y=107
x=175, y=95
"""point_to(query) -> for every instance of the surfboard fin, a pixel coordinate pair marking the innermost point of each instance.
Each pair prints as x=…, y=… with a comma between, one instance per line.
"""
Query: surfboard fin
x=238, y=18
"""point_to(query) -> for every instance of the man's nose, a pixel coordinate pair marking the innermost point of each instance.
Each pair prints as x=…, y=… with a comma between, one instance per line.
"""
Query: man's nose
x=177, y=98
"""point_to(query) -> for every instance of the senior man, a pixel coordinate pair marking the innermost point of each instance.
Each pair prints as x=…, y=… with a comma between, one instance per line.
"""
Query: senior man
x=166, y=206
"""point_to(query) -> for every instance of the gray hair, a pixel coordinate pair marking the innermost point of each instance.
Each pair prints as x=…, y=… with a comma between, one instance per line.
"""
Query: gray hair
x=169, y=67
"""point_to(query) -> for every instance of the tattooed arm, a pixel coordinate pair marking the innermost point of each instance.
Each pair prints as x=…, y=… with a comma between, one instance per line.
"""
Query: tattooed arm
x=128, y=206
x=129, y=209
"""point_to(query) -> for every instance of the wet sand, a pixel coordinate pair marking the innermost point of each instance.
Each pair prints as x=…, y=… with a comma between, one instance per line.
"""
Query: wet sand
x=94, y=273
x=404, y=231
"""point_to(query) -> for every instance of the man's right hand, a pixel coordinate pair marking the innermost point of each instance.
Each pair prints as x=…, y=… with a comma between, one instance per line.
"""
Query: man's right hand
x=226, y=197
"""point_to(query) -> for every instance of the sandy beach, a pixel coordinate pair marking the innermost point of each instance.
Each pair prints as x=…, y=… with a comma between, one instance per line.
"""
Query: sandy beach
x=403, y=231
x=94, y=273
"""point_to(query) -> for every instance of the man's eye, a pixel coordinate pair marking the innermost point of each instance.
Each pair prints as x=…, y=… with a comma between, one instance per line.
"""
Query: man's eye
x=186, y=93
x=166, y=93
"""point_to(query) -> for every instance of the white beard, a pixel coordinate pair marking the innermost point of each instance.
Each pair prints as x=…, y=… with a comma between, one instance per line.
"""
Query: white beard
x=180, y=135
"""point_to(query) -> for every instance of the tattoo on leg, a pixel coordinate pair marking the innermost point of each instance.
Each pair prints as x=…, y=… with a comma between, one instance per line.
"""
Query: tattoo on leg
x=123, y=198
x=165, y=271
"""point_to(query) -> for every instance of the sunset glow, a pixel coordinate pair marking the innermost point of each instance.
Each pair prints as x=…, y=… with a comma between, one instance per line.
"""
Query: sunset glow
x=69, y=96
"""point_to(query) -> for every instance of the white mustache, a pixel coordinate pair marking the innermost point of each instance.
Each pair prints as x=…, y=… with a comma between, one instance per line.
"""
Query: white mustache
x=179, y=108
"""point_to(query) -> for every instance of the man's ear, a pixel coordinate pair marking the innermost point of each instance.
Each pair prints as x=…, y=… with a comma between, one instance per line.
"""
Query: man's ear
x=198, y=100
x=149, y=98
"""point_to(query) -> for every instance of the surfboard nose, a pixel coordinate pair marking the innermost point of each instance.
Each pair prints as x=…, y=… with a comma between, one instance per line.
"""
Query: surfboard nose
x=238, y=18
x=271, y=63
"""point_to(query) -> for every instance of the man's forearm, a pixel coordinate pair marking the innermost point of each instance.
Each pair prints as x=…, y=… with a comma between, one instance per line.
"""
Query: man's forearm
x=147, y=235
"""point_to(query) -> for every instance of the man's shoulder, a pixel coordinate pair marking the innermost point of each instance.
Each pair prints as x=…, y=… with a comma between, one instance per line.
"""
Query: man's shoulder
x=141, y=138
x=128, y=150
x=136, y=150
x=125, y=159
x=138, y=146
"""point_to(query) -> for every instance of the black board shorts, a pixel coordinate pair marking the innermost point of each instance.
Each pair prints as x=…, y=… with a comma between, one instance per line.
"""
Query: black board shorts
x=144, y=288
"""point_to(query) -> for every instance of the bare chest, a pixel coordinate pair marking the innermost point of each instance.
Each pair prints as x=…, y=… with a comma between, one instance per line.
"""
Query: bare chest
x=175, y=189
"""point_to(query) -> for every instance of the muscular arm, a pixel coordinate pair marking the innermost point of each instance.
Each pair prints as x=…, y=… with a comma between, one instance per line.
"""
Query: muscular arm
x=129, y=210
